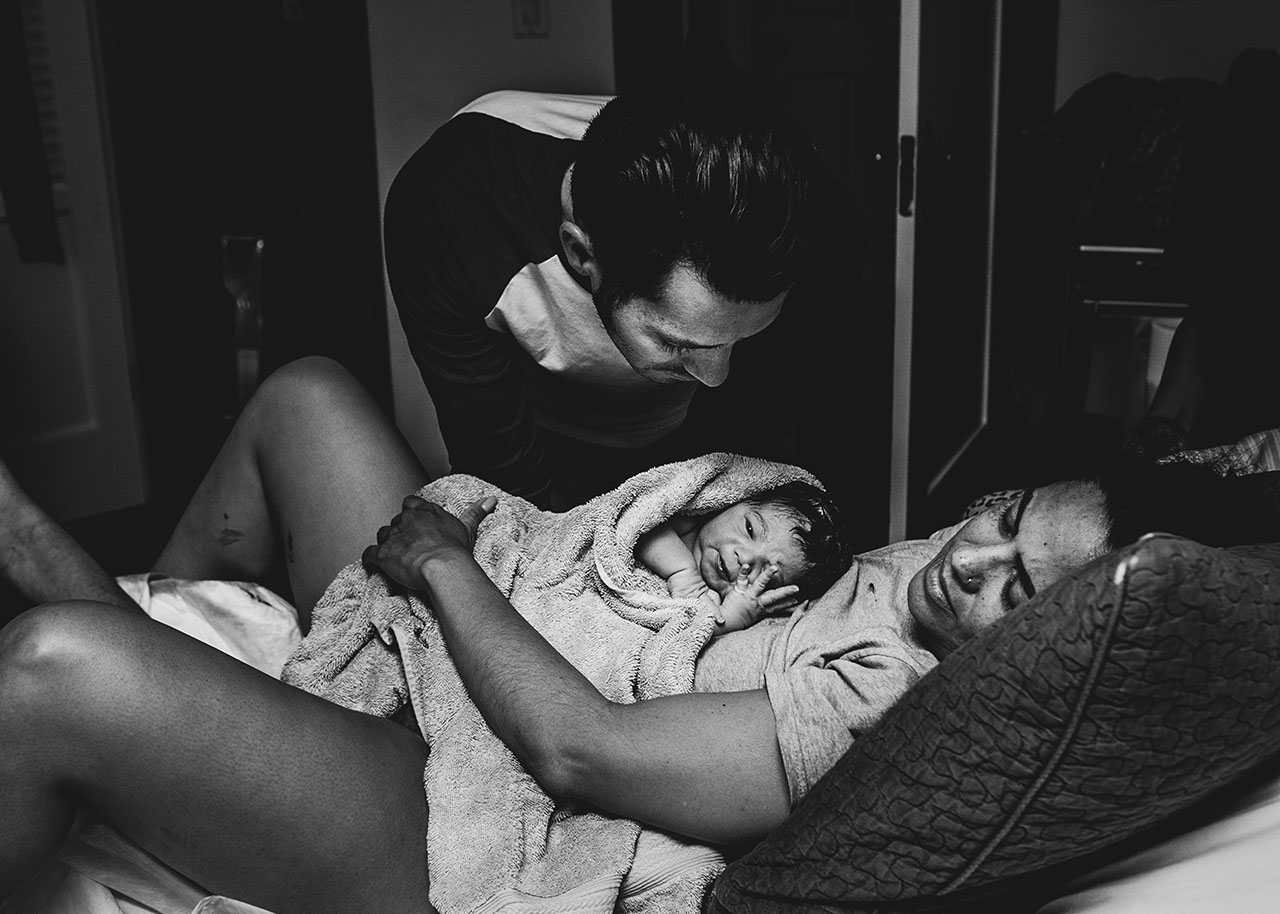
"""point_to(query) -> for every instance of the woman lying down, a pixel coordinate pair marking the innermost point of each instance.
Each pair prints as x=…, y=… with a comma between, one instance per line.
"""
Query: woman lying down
x=472, y=755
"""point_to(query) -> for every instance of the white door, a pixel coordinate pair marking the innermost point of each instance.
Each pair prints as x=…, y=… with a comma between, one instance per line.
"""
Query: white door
x=69, y=423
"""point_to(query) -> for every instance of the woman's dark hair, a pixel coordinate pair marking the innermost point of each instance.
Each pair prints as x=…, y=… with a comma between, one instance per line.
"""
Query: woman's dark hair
x=1192, y=501
x=820, y=530
x=698, y=176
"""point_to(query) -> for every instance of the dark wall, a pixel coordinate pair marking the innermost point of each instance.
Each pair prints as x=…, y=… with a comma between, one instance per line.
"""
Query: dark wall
x=252, y=120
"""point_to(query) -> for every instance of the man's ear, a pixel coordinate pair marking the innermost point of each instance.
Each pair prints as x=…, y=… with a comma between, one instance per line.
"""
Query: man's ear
x=579, y=253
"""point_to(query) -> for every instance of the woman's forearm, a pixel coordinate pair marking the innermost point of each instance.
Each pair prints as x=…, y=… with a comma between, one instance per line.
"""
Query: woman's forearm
x=529, y=694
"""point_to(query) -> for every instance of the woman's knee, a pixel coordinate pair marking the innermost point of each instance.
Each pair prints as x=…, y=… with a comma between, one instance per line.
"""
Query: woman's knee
x=305, y=391
x=46, y=655
x=311, y=378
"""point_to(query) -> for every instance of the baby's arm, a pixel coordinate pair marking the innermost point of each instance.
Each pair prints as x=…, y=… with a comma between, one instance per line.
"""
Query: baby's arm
x=666, y=555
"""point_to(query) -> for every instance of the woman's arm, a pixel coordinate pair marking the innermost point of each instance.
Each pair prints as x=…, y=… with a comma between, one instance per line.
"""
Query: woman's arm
x=703, y=765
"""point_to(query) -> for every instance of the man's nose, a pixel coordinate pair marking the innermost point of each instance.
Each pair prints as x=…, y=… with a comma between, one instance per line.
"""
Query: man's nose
x=708, y=366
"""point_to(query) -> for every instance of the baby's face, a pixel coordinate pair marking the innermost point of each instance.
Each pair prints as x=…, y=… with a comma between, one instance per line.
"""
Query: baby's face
x=752, y=535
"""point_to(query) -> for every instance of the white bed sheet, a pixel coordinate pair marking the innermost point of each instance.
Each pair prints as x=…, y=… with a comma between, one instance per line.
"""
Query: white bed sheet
x=1230, y=864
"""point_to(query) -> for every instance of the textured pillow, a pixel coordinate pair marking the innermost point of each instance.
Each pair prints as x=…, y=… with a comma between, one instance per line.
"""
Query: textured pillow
x=1113, y=700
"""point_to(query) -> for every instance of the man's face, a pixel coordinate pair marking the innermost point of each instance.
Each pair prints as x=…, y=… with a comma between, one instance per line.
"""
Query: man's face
x=688, y=332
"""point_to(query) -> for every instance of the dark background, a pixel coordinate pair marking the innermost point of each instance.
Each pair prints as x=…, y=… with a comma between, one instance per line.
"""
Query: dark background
x=251, y=120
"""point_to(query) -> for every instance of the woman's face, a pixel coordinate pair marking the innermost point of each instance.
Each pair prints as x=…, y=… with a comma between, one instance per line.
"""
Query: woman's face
x=1003, y=557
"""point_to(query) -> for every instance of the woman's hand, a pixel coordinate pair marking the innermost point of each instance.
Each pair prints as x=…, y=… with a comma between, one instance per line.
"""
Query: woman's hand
x=422, y=534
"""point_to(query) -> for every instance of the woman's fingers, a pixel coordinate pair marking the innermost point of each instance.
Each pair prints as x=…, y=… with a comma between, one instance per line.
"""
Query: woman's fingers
x=476, y=512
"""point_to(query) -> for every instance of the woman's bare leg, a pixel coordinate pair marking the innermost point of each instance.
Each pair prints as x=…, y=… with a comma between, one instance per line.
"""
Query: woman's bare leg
x=249, y=787
x=308, y=474
x=41, y=560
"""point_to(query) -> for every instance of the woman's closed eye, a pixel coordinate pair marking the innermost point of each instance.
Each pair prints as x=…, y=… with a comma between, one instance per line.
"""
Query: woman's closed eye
x=1009, y=517
x=1009, y=594
x=1009, y=521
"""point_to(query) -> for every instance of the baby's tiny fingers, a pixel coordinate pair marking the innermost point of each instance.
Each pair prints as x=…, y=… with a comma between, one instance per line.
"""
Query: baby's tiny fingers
x=779, y=595
x=762, y=579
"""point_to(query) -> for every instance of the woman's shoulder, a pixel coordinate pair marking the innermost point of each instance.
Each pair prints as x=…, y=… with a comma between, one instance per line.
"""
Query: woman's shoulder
x=865, y=613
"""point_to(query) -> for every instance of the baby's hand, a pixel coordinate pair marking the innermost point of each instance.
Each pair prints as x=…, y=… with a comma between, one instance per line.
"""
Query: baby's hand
x=750, y=599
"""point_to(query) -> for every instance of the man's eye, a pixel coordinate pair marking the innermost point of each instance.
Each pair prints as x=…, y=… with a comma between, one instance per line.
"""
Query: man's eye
x=751, y=531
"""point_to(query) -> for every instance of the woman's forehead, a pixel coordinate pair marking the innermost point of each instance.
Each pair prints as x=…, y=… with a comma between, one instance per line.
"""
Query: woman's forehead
x=1070, y=497
x=1064, y=526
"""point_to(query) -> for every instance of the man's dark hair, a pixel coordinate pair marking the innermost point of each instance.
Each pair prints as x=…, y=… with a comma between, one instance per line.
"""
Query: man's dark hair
x=702, y=177
x=820, y=530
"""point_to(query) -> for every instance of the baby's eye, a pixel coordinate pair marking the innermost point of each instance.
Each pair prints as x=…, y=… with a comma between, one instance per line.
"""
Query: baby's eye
x=668, y=346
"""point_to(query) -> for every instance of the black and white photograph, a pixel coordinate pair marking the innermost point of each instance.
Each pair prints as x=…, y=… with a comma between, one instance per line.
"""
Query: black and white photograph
x=639, y=456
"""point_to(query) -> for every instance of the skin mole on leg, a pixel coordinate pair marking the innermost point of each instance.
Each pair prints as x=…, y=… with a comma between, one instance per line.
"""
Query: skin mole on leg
x=229, y=535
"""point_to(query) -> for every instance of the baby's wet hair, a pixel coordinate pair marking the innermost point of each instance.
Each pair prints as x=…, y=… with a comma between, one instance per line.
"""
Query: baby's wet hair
x=819, y=529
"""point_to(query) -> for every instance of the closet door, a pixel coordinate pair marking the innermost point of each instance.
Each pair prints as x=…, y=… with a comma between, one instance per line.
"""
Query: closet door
x=948, y=78
x=69, y=424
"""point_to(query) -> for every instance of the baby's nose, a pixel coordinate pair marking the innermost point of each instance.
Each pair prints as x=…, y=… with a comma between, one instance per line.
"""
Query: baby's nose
x=754, y=560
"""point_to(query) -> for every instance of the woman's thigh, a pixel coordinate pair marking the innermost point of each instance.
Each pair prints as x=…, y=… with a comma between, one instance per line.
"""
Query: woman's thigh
x=251, y=788
x=310, y=471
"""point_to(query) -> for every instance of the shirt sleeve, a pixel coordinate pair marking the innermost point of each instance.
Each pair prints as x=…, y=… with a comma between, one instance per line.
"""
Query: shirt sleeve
x=822, y=706
x=438, y=226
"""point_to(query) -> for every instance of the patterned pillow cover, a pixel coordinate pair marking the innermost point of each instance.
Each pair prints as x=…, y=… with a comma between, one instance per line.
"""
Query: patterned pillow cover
x=1112, y=701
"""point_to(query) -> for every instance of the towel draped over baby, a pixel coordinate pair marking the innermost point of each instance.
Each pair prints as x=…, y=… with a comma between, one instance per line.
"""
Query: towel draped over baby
x=495, y=840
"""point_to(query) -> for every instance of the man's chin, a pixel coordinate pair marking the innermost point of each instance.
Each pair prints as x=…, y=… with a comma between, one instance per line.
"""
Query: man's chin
x=665, y=376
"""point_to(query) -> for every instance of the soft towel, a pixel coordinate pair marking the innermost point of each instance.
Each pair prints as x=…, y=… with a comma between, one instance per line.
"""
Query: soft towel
x=495, y=840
